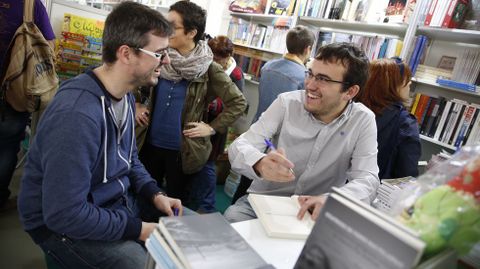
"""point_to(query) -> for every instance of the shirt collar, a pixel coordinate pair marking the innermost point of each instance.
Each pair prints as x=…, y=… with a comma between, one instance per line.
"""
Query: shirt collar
x=293, y=58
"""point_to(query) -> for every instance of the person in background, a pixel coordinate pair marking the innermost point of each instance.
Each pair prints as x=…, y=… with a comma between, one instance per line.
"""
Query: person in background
x=281, y=75
x=178, y=144
x=323, y=139
x=12, y=122
x=204, y=182
x=398, y=138
x=86, y=199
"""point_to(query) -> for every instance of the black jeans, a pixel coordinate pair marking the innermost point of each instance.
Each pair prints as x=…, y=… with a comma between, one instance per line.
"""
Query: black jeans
x=165, y=163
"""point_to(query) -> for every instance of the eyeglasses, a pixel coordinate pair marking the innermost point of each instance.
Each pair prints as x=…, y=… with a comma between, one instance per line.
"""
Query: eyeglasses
x=400, y=64
x=321, y=79
x=157, y=55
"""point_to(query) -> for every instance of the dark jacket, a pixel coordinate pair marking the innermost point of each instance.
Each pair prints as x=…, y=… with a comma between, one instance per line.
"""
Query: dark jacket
x=200, y=92
x=81, y=162
x=398, y=139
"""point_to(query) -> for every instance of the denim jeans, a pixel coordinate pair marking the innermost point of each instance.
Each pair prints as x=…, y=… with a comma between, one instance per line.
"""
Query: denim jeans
x=119, y=254
x=240, y=211
x=12, y=132
x=202, y=189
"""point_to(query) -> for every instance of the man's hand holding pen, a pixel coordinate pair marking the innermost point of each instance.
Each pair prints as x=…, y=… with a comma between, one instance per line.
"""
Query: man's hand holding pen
x=275, y=166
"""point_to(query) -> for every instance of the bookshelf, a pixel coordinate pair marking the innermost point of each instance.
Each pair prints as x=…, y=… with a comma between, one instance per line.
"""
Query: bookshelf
x=452, y=43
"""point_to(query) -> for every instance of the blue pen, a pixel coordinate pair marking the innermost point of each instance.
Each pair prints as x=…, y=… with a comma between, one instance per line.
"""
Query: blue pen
x=175, y=211
x=272, y=148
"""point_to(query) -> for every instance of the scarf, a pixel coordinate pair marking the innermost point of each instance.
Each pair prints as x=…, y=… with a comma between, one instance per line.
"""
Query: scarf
x=190, y=66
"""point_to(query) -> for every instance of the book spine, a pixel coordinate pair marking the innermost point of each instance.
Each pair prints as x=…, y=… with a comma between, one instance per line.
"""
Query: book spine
x=448, y=15
x=431, y=10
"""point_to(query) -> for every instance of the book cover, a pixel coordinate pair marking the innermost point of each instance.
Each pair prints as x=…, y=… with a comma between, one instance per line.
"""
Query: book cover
x=351, y=234
x=395, y=10
x=248, y=6
x=209, y=241
x=441, y=124
x=281, y=7
x=278, y=215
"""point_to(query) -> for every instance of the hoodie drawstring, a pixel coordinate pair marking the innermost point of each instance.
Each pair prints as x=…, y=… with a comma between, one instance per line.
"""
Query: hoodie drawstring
x=104, y=140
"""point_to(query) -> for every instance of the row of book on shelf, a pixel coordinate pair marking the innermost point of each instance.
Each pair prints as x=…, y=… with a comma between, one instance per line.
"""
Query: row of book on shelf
x=396, y=11
x=453, y=122
x=375, y=47
x=270, y=37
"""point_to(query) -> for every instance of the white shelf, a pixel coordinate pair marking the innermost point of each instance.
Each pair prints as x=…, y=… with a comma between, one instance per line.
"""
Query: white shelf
x=263, y=18
x=257, y=48
x=355, y=27
x=431, y=140
x=252, y=81
x=434, y=84
x=450, y=35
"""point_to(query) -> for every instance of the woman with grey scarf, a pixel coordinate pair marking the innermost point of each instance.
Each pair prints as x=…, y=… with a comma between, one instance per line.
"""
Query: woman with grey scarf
x=177, y=144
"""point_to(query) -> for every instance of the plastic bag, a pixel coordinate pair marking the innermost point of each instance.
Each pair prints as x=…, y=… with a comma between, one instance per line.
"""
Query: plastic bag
x=444, y=207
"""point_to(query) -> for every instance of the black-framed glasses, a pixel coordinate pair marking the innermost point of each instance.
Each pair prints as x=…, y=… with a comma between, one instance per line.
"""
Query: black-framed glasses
x=157, y=55
x=322, y=80
x=400, y=63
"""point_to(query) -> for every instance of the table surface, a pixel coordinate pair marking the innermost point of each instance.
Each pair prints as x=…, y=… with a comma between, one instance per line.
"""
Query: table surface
x=281, y=253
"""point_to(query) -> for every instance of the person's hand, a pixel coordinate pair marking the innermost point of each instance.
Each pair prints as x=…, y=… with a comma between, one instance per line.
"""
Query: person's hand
x=141, y=114
x=165, y=204
x=313, y=204
x=275, y=167
x=199, y=129
x=147, y=229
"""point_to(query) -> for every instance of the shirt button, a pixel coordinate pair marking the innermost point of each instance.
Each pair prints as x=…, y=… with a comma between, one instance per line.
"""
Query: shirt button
x=168, y=104
x=169, y=96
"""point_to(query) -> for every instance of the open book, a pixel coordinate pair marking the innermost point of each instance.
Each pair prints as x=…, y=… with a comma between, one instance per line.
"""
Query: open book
x=351, y=234
x=278, y=215
x=200, y=241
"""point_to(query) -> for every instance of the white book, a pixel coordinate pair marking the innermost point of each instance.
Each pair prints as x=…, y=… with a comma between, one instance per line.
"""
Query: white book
x=441, y=123
x=278, y=215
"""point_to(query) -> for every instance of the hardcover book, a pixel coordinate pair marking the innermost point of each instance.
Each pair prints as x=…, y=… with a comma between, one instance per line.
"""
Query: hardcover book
x=352, y=234
x=201, y=241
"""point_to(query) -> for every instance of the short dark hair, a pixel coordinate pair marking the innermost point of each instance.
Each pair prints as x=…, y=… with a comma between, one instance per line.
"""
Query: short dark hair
x=299, y=38
x=194, y=17
x=129, y=24
x=351, y=57
x=221, y=46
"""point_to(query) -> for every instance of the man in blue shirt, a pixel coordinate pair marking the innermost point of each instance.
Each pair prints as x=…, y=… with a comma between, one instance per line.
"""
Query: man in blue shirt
x=282, y=75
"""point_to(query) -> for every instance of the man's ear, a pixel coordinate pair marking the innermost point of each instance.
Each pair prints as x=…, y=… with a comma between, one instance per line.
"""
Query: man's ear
x=191, y=34
x=351, y=92
x=124, y=54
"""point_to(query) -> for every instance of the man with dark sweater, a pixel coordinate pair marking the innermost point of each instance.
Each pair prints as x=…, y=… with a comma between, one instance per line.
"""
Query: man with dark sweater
x=86, y=199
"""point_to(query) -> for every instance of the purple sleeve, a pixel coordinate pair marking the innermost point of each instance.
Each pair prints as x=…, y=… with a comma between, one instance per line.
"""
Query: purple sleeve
x=42, y=21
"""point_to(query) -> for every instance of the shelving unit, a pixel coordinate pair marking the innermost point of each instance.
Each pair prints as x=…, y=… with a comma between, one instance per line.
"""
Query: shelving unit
x=355, y=27
x=257, y=48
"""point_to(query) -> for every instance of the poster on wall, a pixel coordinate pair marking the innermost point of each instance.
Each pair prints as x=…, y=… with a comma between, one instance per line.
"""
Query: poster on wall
x=84, y=26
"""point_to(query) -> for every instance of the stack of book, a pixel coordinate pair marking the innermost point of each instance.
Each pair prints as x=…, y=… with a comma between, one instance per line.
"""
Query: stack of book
x=389, y=191
x=431, y=74
x=200, y=241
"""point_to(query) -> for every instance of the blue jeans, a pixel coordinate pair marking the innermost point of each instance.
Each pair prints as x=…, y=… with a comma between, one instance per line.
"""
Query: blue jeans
x=120, y=254
x=202, y=189
x=12, y=132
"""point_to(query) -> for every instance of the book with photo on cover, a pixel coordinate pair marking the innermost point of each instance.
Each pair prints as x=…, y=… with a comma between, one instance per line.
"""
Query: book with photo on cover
x=278, y=216
x=201, y=241
x=368, y=238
